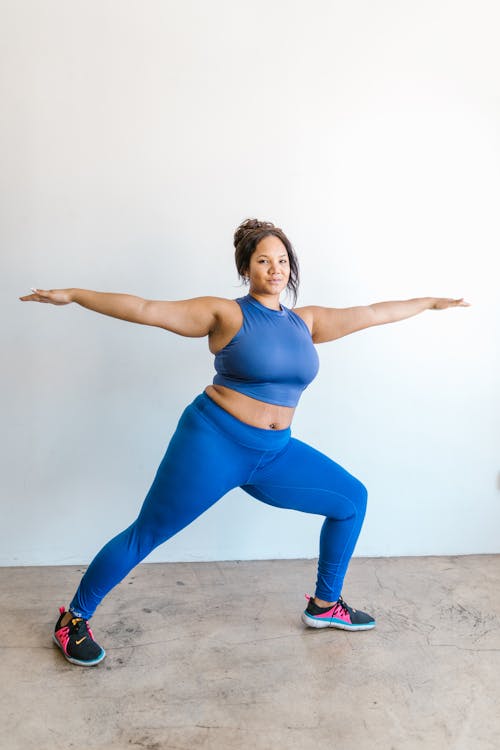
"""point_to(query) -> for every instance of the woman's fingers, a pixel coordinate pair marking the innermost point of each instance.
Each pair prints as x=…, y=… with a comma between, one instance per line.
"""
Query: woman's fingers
x=53, y=296
x=444, y=302
x=35, y=297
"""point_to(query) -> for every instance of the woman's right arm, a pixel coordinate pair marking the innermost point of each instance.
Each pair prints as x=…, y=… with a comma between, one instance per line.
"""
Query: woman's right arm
x=193, y=317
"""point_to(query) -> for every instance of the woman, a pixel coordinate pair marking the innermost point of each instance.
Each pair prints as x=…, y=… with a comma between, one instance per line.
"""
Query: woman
x=237, y=432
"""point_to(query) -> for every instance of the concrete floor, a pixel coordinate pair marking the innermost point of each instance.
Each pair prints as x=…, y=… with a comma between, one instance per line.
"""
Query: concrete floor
x=214, y=656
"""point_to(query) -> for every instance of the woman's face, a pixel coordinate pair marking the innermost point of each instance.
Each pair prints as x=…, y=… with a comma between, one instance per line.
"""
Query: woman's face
x=269, y=268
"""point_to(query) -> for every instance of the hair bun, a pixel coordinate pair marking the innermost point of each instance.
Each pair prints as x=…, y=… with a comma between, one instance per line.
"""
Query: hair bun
x=250, y=225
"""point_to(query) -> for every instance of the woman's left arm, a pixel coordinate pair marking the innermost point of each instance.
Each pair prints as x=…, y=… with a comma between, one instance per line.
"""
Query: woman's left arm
x=329, y=323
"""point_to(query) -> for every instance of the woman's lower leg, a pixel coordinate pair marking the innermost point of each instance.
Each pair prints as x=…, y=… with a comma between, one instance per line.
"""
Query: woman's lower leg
x=110, y=566
x=337, y=542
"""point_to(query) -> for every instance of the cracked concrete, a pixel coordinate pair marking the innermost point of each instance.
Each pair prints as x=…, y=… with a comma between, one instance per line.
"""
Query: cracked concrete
x=214, y=655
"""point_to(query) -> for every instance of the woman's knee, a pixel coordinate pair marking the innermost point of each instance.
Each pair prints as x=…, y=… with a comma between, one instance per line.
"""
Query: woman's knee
x=357, y=498
x=360, y=497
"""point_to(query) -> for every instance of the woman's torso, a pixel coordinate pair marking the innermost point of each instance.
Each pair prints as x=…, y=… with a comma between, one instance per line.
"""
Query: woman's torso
x=250, y=410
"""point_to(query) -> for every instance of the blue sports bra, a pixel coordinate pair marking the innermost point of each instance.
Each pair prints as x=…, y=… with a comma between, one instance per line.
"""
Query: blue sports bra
x=272, y=357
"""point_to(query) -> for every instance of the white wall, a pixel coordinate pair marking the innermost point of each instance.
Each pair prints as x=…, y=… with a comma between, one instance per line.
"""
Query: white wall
x=135, y=137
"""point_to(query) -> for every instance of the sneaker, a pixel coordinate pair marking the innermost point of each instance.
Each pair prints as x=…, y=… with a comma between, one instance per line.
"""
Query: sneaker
x=76, y=641
x=338, y=615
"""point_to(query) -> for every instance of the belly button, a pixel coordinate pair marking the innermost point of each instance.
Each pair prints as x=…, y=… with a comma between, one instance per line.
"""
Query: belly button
x=273, y=425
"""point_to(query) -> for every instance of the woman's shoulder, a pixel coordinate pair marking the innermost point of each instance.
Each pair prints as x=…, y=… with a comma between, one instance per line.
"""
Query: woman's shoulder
x=229, y=318
x=307, y=315
x=223, y=302
x=218, y=303
x=220, y=309
x=225, y=309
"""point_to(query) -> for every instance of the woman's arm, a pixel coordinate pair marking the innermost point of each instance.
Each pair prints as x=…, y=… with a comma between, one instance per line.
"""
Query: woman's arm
x=193, y=317
x=329, y=323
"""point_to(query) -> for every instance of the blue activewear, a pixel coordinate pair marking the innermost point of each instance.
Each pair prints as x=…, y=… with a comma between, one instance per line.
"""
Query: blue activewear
x=210, y=453
x=272, y=357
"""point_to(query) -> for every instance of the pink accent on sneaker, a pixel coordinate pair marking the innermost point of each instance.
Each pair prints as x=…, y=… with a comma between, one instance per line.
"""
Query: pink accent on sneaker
x=62, y=636
x=338, y=612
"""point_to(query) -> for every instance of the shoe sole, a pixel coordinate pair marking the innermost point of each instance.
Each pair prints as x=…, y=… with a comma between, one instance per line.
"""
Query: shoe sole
x=76, y=661
x=312, y=622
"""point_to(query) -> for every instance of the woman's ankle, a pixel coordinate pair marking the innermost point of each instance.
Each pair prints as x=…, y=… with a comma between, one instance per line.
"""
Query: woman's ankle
x=322, y=602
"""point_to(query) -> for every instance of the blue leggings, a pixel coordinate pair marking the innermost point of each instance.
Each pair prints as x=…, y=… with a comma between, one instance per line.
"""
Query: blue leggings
x=210, y=453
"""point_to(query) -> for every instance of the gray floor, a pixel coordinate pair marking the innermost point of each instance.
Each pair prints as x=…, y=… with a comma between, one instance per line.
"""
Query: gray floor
x=214, y=656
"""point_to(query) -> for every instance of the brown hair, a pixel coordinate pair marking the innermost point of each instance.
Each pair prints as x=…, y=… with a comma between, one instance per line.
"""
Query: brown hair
x=246, y=238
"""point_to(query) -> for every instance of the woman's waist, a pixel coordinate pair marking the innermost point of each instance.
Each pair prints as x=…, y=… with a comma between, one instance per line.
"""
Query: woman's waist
x=249, y=410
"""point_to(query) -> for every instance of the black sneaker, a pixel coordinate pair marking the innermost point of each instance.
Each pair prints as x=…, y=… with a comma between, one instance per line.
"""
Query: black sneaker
x=76, y=641
x=338, y=615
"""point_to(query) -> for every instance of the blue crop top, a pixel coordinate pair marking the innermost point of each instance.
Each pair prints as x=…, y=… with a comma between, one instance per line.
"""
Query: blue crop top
x=272, y=357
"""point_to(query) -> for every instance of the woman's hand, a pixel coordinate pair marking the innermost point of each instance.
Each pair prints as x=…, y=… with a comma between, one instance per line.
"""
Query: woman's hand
x=53, y=296
x=441, y=303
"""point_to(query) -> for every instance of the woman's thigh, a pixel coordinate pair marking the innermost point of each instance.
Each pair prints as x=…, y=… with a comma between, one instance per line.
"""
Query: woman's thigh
x=302, y=478
x=198, y=468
